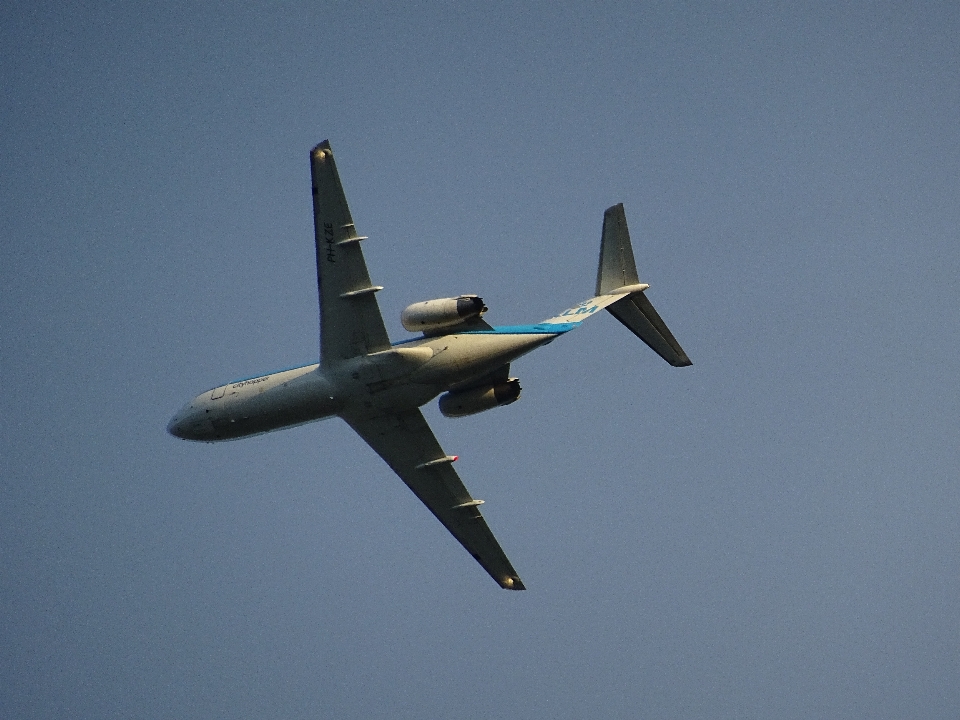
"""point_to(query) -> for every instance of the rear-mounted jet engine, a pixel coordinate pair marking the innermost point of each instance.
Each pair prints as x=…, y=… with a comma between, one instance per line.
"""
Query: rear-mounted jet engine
x=475, y=400
x=433, y=315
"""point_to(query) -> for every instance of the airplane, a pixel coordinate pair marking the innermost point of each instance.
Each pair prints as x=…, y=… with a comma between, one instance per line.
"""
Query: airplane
x=378, y=387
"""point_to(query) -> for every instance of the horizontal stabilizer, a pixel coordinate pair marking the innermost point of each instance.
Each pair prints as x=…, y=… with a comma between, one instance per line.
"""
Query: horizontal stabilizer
x=637, y=313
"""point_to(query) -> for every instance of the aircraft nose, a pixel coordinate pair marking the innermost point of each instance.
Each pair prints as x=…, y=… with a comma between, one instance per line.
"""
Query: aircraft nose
x=176, y=427
x=190, y=424
x=184, y=423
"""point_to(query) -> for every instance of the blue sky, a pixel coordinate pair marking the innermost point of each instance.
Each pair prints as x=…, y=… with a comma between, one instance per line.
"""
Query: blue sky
x=772, y=532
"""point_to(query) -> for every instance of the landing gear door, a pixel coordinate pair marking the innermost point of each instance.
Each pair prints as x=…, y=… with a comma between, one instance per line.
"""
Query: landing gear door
x=218, y=392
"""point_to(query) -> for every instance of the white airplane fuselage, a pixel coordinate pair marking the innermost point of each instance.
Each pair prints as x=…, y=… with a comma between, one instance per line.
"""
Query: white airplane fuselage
x=406, y=376
x=377, y=386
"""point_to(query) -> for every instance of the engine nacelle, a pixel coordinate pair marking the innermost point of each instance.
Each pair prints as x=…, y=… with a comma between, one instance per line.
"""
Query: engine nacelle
x=474, y=400
x=443, y=313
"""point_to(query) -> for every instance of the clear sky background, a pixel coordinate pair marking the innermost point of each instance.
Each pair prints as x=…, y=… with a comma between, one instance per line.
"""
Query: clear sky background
x=771, y=533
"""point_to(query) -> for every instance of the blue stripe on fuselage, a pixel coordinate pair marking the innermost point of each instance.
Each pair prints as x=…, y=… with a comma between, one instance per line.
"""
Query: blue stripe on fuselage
x=539, y=329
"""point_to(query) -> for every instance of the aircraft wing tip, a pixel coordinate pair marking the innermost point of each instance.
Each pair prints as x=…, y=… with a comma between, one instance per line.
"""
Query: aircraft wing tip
x=512, y=583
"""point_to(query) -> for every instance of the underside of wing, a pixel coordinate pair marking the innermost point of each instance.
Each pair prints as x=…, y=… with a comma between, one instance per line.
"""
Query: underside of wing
x=350, y=320
x=409, y=447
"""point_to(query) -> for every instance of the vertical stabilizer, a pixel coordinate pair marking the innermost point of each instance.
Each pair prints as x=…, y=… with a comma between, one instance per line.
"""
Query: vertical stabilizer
x=617, y=267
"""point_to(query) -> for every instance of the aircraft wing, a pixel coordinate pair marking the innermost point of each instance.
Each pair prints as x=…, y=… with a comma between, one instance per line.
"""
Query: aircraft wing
x=409, y=447
x=350, y=320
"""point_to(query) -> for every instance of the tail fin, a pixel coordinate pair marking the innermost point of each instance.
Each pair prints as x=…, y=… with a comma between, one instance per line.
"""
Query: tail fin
x=617, y=270
x=617, y=267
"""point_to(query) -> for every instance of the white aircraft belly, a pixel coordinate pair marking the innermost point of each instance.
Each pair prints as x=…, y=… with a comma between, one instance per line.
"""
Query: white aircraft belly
x=462, y=357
